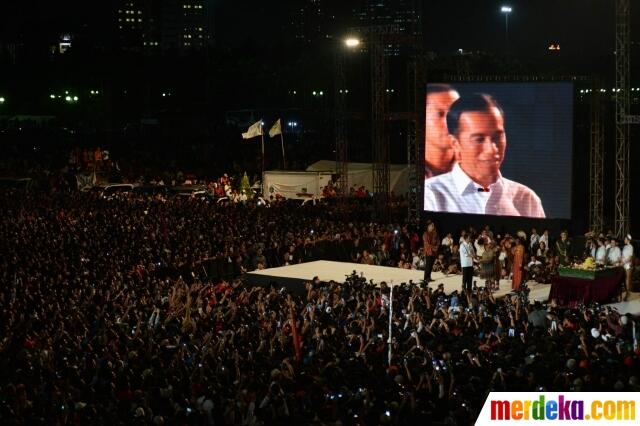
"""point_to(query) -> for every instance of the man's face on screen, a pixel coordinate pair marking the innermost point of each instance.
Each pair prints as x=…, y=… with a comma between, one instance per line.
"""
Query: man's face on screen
x=480, y=144
x=438, y=105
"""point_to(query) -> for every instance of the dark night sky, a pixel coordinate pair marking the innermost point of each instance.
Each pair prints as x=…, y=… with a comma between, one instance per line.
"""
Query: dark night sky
x=585, y=30
x=583, y=27
x=580, y=25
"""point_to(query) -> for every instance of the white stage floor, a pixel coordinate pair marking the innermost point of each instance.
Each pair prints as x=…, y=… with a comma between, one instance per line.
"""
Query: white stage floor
x=338, y=271
x=629, y=307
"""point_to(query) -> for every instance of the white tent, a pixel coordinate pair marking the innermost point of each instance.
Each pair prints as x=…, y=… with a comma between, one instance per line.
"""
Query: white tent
x=361, y=174
x=305, y=184
x=294, y=184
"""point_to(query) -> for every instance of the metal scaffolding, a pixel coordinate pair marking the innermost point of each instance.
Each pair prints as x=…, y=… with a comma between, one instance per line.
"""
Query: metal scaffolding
x=416, y=86
x=342, y=144
x=416, y=89
x=378, y=37
x=596, y=162
x=379, y=135
x=623, y=117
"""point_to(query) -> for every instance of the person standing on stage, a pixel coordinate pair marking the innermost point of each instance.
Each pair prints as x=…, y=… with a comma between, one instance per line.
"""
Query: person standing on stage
x=516, y=269
x=563, y=248
x=614, y=255
x=627, y=263
x=467, y=255
x=487, y=262
x=534, y=241
x=544, y=238
x=431, y=242
x=600, y=255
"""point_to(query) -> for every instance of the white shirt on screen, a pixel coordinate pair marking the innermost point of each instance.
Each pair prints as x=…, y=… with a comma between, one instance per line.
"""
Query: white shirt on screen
x=455, y=192
x=466, y=254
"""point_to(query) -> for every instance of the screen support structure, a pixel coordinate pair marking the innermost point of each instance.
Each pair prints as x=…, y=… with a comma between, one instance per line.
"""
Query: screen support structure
x=596, y=161
x=378, y=36
x=623, y=115
x=379, y=134
x=342, y=144
x=416, y=84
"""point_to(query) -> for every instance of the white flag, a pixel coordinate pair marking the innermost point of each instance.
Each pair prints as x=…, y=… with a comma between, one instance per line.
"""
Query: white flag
x=253, y=131
x=276, y=129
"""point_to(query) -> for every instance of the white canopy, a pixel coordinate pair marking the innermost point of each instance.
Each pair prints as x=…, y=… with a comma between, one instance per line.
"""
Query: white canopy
x=361, y=174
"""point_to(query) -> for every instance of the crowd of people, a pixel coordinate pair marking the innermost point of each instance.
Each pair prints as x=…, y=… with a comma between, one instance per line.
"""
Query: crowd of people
x=133, y=310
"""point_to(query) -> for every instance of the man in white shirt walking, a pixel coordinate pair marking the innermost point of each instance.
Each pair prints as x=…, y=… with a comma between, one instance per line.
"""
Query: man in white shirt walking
x=467, y=255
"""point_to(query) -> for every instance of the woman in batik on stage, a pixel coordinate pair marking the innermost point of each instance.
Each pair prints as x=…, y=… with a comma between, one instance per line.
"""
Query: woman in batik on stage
x=516, y=268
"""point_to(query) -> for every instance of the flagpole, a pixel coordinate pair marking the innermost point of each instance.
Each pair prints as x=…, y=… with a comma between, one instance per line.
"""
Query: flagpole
x=284, y=162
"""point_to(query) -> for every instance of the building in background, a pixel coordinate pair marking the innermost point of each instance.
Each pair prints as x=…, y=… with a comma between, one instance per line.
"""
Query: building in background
x=314, y=20
x=402, y=15
x=161, y=25
x=309, y=20
x=130, y=24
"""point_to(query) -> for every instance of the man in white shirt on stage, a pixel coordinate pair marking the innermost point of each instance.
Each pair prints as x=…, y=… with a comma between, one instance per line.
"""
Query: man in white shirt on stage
x=601, y=253
x=627, y=263
x=467, y=255
x=534, y=267
x=478, y=245
x=544, y=238
x=447, y=241
x=534, y=262
x=614, y=256
x=534, y=240
x=462, y=235
x=475, y=185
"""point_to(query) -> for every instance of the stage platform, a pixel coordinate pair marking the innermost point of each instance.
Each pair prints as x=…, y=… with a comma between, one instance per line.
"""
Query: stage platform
x=293, y=277
x=631, y=306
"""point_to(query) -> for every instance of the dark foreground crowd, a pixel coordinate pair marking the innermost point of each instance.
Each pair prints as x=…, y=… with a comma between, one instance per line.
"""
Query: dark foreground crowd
x=133, y=311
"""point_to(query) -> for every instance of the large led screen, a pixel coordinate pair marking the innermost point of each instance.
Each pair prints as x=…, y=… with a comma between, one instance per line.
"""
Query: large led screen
x=499, y=149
